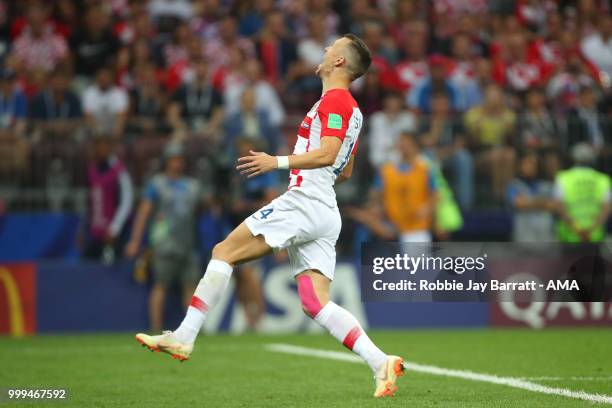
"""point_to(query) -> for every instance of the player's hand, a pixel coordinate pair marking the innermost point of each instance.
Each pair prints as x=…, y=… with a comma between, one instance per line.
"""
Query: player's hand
x=256, y=164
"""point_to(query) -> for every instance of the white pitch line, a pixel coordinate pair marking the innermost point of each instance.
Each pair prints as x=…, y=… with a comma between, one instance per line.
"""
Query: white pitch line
x=545, y=378
x=464, y=374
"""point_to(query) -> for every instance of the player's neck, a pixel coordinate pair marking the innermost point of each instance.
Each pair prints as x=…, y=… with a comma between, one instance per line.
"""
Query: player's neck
x=334, y=82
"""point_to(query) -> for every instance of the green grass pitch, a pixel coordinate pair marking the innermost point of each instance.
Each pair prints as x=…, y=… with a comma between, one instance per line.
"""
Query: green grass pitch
x=237, y=371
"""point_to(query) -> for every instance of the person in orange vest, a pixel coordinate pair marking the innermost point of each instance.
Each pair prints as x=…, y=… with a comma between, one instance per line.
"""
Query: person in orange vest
x=409, y=192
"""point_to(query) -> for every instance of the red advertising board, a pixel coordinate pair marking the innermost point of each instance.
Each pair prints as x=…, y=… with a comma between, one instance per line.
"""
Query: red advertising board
x=17, y=299
x=542, y=308
x=546, y=314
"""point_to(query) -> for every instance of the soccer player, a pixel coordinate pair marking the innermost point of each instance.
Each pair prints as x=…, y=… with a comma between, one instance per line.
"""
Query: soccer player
x=305, y=220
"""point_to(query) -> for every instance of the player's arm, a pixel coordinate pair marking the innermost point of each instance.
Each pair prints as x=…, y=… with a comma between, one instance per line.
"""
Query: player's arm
x=259, y=163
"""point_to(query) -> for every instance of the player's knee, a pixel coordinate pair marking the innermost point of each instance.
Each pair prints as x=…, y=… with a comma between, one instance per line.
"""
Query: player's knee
x=311, y=305
x=223, y=252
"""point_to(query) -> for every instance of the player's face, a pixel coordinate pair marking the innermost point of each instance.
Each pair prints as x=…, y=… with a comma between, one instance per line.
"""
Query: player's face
x=333, y=57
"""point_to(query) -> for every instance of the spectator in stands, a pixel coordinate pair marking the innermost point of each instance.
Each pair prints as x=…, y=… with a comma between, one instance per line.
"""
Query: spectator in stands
x=383, y=50
x=310, y=51
x=587, y=125
x=135, y=26
x=167, y=14
x=177, y=49
x=148, y=103
x=597, y=47
x=329, y=16
x=553, y=46
x=251, y=123
x=106, y=105
x=443, y=140
x=56, y=110
x=484, y=75
x=13, y=114
x=408, y=192
x=38, y=48
x=369, y=92
x=266, y=96
x=93, y=45
x=276, y=51
x=420, y=96
x=217, y=47
x=564, y=87
x=413, y=68
x=171, y=200
x=447, y=16
x=533, y=14
x=385, y=128
x=196, y=106
x=206, y=16
x=402, y=14
x=359, y=13
x=531, y=200
x=252, y=20
x=384, y=53
x=490, y=127
x=182, y=71
x=232, y=73
x=131, y=58
x=517, y=69
x=583, y=198
x=111, y=198
x=538, y=131
x=462, y=72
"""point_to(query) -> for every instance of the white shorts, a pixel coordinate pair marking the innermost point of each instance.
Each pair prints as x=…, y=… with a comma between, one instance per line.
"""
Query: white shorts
x=305, y=226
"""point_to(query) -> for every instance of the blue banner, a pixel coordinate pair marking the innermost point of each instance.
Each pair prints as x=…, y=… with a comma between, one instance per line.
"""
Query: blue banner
x=81, y=296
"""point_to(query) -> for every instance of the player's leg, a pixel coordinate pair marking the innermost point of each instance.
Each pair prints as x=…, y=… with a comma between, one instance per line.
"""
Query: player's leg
x=316, y=260
x=271, y=227
x=239, y=246
x=313, y=289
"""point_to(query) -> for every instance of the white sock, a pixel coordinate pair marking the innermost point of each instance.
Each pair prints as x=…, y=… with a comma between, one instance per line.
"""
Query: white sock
x=345, y=328
x=206, y=296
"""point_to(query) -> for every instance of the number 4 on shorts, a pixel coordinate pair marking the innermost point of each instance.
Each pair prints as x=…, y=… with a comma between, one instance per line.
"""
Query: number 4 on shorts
x=263, y=214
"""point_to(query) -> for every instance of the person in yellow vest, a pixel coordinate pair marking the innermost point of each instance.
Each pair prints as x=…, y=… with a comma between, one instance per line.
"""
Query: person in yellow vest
x=583, y=196
x=408, y=191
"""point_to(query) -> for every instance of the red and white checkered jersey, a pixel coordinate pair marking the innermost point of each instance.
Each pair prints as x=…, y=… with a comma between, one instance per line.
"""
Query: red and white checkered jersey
x=336, y=114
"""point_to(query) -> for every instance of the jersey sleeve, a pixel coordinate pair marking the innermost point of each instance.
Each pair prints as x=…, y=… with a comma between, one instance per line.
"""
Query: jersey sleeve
x=354, y=151
x=335, y=114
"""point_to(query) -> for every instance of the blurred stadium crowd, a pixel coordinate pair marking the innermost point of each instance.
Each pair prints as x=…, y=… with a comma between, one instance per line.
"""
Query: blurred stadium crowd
x=481, y=85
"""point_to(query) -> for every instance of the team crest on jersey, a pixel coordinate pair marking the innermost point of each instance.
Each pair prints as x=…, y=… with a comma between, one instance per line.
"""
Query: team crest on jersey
x=304, y=129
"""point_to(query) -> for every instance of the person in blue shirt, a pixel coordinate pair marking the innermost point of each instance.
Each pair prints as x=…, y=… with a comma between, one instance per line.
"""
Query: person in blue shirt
x=530, y=199
x=420, y=97
x=13, y=113
x=56, y=110
x=171, y=201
